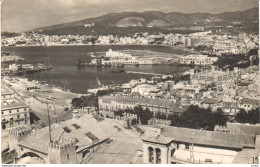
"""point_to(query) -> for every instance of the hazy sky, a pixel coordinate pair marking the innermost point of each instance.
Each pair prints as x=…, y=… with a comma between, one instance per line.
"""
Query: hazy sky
x=22, y=15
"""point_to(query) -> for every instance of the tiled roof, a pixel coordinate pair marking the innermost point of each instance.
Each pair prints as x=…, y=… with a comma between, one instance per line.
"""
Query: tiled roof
x=142, y=101
x=101, y=130
x=210, y=101
x=251, y=101
x=156, y=138
x=244, y=128
x=209, y=138
x=116, y=152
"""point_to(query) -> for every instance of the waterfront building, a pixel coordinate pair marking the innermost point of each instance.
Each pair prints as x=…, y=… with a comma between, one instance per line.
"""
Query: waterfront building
x=197, y=28
x=14, y=67
x=167, y=144
x=11, y=58
x=197, y=60
x=117, y=55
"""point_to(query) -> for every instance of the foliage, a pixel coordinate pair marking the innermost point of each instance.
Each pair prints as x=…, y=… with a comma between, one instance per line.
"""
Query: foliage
x=9, y=34
x=201, y=48
x=199, y=118
x=160, y=116
x=143, y=115
x=241, y=116
x=107, y=92
x=252, y=116
x=232, y=60
x=85, y=101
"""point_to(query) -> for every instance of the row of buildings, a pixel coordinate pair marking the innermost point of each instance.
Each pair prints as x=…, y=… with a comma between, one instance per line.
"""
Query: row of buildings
x=217, y=44
x=212, y=88
x=15, y=112
x=96, y=140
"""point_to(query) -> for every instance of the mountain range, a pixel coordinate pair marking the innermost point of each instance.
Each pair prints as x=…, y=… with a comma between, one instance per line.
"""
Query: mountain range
x=155, y=20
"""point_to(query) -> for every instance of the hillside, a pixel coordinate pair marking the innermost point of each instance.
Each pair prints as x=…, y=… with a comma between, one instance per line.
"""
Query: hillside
x=154, y=20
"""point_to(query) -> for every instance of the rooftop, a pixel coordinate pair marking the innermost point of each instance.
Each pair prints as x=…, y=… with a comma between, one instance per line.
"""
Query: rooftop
x=86, y=130
x=6, y=90
x=8, y=104
x=155, y=102
x=208, y=138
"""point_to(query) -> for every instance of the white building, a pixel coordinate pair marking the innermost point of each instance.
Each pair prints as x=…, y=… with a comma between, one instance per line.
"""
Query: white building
x=198, y=60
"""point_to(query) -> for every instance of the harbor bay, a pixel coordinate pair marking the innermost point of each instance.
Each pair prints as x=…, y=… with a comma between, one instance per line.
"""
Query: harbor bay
x=67, y=75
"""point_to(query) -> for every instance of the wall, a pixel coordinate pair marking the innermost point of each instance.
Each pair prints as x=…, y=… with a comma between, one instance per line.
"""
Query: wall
x=165, y=154
x=22, y=113
x=201, y=153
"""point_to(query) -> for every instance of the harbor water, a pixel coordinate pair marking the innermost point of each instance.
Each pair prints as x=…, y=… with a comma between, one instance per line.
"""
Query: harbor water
x=66, y=74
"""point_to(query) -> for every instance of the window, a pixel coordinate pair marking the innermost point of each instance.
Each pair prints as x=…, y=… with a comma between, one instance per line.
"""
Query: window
x=151, y=158
x=158, y=155
x=25, y=109
x=76, y=126
x=10, y=112
x=66, y=129
x=18, y=110
x=187, y=146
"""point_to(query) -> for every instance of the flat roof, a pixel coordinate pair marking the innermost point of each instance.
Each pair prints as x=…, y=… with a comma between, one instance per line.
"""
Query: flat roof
x=5, y=90
x=8, y=104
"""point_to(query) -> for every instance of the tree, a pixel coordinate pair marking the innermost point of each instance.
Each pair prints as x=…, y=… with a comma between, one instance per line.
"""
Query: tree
x=252, y=116
x=241, y=116
x=199, y=118
x=219, y=118
x=145, y=115
x=85, y=101
x=160, y=116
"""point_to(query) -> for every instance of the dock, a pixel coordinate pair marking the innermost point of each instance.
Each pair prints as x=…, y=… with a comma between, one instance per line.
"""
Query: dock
x=143, y=73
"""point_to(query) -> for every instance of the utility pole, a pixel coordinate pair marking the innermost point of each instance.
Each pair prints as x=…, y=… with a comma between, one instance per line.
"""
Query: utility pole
x=49, y=121
x=191, y=149
x=55, y=114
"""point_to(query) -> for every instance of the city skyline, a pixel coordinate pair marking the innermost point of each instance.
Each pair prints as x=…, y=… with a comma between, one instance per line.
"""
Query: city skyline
x=24, y=15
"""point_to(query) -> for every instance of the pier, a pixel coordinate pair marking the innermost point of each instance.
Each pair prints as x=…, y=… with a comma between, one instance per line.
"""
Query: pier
x=142, y=73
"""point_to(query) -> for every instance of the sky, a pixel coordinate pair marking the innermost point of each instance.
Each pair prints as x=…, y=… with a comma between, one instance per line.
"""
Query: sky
x=24, y=15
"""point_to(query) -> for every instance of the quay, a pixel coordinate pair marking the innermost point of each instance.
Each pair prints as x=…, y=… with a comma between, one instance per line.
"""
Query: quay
x=142, y=73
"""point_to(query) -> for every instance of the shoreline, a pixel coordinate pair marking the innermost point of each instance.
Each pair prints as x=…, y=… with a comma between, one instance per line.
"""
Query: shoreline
x=63, y=45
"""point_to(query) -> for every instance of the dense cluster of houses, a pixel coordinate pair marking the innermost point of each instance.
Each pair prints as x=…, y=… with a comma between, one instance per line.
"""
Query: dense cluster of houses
x=218, y=44
x=212, y=88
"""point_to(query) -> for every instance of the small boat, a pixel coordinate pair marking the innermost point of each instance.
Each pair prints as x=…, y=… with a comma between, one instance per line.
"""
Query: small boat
x=92, y=55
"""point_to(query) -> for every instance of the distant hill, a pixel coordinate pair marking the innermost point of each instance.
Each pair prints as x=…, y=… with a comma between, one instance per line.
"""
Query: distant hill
x=151, y=21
